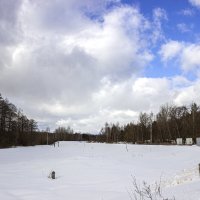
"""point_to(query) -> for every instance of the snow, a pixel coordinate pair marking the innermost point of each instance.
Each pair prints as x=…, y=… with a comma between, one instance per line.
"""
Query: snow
x=94, y=171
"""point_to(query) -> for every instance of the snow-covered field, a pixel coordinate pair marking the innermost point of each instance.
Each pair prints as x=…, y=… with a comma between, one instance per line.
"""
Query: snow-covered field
x=91, y=171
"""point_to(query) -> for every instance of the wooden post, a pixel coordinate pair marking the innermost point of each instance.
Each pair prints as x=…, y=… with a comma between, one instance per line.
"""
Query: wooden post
x=53, y=175
x=199, y=169
x=151, y=136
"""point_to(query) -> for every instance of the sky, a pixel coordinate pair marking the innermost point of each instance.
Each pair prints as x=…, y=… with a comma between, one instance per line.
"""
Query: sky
x=83, y=63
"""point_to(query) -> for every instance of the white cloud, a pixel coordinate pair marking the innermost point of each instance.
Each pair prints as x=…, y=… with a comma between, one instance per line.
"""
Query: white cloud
x=64, y=57
x=64, y=67
x=195, y=3
x=180, y=82
x=122, y=102
x=189, y=94
x=170, y=50
x=184, y=28
x=190, y=57
x=159, y=15
x=95, y=122
x=187, y=55
x=187, y=12
x=140, y=94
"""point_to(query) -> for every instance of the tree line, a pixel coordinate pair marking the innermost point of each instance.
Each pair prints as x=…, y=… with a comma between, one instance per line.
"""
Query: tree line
x=16, y=129
x=169, y=123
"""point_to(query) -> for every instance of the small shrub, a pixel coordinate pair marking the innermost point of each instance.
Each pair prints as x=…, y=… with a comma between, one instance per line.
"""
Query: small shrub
x=147, y=192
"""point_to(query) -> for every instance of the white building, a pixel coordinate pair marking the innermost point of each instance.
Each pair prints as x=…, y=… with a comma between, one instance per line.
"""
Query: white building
x=179, y=141
x=198, y=141
x=189, y=141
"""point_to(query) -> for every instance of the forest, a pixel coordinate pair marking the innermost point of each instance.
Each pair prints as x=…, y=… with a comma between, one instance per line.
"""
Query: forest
x=169, y=123
x=16, y=129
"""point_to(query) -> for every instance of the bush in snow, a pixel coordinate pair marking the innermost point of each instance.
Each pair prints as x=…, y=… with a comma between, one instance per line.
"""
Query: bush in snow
x=147, y=192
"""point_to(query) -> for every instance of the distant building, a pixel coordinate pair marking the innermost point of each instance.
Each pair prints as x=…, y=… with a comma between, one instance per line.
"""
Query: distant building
x=198, y=141
x=179, y=141
x=189, y=141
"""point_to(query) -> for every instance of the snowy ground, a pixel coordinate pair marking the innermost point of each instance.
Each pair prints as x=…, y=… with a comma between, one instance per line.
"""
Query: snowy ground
x=90, y=171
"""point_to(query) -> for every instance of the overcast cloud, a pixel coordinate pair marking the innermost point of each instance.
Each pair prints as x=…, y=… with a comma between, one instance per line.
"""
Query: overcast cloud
x=82, y=64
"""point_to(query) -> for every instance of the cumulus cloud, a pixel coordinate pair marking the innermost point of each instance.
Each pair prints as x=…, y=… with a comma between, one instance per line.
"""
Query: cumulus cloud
x=122, y=102
x=188, y=94
x=59, y=55
x=190, y=58
x=195, y=3
x=187, y=55
x=170, y=50
x=111, y=48
x=66, y=66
